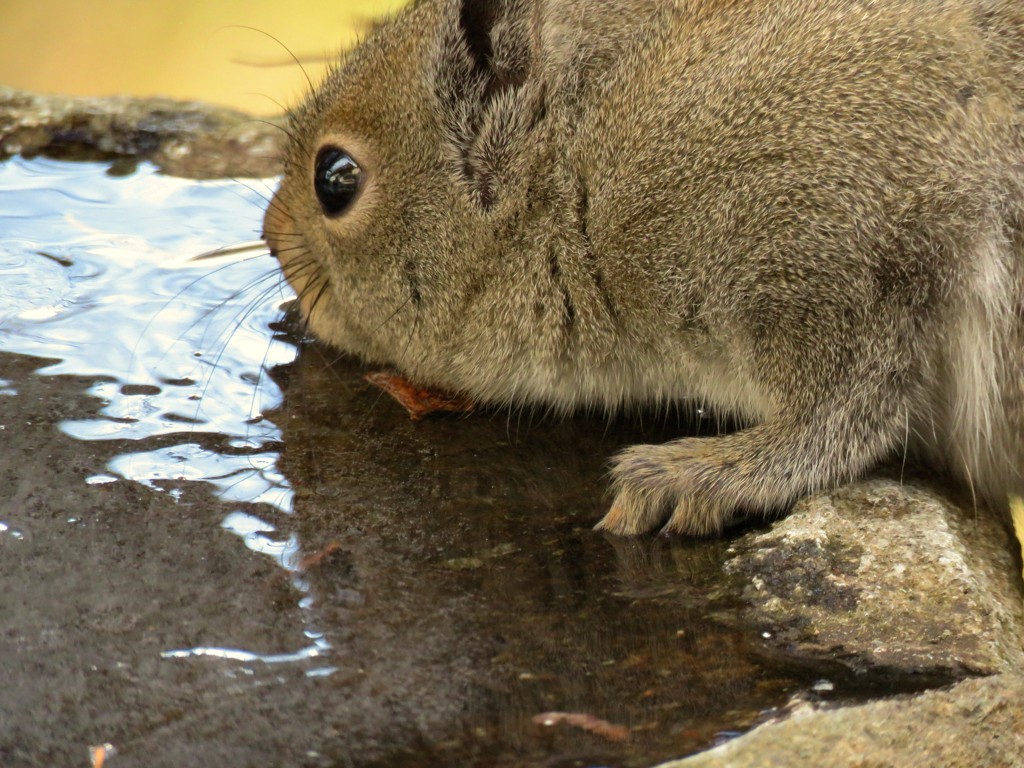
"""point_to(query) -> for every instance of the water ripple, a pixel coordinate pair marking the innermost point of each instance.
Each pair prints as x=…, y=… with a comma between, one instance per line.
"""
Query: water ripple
x=99, y=276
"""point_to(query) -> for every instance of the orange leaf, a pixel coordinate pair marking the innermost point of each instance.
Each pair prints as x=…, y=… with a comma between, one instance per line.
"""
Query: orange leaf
x=417, y=401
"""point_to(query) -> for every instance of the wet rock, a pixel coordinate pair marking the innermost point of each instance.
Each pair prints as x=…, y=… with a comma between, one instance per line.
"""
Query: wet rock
x=977, y=722
x=187, y=139
x=886, y=577
x=881, y=575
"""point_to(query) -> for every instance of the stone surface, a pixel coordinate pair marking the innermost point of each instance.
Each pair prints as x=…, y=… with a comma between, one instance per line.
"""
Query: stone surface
x=187, y=139
x=884, y=575
x=975, y=723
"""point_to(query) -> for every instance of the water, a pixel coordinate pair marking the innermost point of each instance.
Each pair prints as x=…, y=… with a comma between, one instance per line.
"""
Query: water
x=217, y=545
x=176, y=345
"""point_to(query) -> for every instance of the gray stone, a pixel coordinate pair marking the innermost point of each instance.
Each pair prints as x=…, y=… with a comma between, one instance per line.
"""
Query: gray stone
x=884, y=575
x=187, y=139
x=975, y=723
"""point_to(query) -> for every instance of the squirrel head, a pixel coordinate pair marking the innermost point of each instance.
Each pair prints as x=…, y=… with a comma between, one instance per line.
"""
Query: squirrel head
x=398, y=219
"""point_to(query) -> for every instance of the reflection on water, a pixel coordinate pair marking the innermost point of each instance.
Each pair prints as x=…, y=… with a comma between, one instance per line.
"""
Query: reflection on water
x=288, y=555
x=116, y=294
x=249, y=477
x=100, y=278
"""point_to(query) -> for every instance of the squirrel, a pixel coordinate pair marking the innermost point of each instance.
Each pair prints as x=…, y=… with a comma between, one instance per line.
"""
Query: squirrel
x=808, y=214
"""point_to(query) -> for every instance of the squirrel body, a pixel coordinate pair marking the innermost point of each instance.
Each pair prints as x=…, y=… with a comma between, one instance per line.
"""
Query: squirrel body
x=806, y=214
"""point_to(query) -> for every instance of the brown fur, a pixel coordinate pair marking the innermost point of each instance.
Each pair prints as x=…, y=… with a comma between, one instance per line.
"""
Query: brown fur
x=809, y=213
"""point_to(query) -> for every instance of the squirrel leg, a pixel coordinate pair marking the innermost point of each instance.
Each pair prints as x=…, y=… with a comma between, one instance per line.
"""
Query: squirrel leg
x=698, y=485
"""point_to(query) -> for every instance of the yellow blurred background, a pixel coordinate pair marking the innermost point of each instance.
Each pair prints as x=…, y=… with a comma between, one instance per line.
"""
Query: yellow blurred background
x=185, y=49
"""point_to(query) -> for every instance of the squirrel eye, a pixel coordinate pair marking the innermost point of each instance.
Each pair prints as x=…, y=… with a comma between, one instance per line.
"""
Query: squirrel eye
x=337, y=180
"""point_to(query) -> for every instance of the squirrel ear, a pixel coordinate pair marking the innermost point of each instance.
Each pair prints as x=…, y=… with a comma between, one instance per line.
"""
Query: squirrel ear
x=498, y=37
x=488, y=88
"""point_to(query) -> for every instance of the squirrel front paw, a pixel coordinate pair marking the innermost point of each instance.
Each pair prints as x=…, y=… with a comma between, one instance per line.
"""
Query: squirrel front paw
x=670, y=487
x=696, y=486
